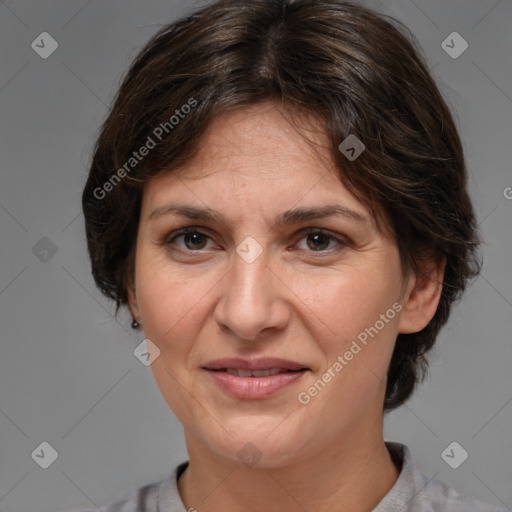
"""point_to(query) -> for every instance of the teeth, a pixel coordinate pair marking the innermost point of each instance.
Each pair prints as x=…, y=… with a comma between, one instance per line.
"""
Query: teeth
x=244, y=373
x=254, y=373
x=261, y=373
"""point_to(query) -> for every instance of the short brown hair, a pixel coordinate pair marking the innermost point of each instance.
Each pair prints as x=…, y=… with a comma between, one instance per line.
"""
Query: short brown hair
x=355, y=70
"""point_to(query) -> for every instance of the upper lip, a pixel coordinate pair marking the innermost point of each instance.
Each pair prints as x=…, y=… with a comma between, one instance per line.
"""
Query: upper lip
x=253, y=364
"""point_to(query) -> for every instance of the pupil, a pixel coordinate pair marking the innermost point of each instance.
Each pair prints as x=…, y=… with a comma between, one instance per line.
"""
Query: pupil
x=193, y=241
x=319, y=238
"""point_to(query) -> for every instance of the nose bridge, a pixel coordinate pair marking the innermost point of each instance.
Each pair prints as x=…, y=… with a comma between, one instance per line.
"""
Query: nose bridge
x=250, y=277
x=250, y=301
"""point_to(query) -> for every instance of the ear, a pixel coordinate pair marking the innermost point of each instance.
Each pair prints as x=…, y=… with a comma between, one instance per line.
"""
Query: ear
x=130, y=287
x=422, y=296
x=132, y=301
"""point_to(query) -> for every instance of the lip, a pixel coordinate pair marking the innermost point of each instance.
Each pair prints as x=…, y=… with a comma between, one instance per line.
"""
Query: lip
x=252, y=388
x=253, y=364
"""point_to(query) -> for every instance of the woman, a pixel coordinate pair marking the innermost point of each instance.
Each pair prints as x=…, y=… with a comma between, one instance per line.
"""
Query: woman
x=279, y=196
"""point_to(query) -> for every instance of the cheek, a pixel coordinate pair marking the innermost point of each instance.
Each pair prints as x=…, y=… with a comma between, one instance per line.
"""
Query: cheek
x=340, y=305
x=168, y=295
x=350, y=314
x=170, y=305
x=162, y=303
x=167, y=304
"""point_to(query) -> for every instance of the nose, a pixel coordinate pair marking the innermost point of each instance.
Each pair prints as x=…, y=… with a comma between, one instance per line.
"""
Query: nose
x=252, y=300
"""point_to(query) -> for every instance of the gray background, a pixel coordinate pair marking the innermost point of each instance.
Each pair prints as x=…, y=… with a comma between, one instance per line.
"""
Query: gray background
x=68, y=375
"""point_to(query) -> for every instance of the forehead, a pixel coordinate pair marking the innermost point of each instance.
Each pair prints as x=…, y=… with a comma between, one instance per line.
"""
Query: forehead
x=260, y=158
x=262, y=136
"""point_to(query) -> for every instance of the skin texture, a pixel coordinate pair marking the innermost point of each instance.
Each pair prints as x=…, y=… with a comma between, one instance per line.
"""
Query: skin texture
x=204, y=303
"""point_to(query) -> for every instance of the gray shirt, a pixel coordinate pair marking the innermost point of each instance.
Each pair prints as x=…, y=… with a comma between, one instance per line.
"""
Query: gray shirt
x=412, y=492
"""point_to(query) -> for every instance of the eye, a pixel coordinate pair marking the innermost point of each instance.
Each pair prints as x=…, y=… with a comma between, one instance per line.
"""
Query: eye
x=318, y=240
x=192, y=239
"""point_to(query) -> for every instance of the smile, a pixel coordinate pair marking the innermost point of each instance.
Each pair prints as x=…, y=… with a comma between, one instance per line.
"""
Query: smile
x=255, y=373
x=254, y=379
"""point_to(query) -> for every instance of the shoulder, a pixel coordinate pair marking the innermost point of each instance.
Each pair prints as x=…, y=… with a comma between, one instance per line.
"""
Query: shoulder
x=142, y=499
x=415, y=491
x=150, y=497
x=434, y=495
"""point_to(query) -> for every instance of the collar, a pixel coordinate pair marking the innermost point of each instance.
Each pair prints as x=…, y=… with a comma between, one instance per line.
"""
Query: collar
x=398, y=498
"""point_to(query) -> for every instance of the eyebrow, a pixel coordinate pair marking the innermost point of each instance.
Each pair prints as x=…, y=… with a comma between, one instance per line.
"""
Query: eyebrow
x=288, y=217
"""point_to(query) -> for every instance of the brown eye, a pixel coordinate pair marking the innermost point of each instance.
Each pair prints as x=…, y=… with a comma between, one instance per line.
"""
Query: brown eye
x=191, y=240
x=318, y=241
x=194, y=240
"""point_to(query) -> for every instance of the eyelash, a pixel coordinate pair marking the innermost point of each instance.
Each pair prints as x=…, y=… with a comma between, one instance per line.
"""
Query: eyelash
x=305, y=233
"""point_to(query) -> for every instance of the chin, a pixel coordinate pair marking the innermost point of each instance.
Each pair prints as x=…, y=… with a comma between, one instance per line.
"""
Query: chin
x=255, y=449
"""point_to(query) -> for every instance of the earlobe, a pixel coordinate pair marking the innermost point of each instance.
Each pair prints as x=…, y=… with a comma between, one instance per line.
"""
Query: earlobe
x=422, y=296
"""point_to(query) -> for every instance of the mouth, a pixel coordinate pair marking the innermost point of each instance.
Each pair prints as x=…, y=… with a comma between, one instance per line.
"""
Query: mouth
x=254, y=379
x=241, y=372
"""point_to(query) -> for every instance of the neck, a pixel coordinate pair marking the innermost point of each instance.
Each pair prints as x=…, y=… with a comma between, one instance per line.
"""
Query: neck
x=352, y=476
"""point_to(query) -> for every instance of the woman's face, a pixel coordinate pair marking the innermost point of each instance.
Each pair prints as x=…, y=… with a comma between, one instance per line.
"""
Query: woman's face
x=280, y=261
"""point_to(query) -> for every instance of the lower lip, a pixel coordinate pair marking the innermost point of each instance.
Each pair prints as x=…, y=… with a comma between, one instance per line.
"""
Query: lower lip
x=250, y=388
